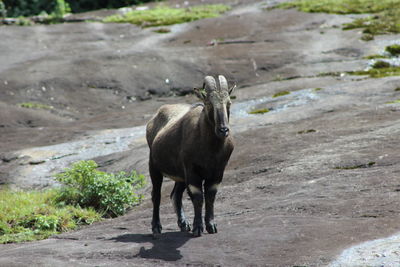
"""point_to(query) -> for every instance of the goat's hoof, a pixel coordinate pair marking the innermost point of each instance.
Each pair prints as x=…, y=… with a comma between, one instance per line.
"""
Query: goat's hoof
x=211, y=228
x=184, y=225
x=197, y=231
x=156, y=231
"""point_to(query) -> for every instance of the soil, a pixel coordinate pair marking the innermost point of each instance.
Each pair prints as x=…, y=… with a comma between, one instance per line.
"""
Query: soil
x=315, y=175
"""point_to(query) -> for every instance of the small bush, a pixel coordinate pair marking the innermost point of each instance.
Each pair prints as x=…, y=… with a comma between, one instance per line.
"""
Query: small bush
x=108, y=193
x=394, y=50
x=381, y=64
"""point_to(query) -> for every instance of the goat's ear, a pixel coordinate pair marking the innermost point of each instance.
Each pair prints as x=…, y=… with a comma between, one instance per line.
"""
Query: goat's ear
x=200, y=93
x=232, y=89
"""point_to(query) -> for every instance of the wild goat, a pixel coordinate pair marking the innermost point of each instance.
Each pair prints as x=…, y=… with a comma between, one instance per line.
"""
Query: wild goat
x=191, y=144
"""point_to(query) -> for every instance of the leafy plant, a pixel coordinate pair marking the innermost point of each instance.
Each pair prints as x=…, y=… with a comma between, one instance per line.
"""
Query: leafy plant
x=34, y=215
x=163, y=15
x=108, y=193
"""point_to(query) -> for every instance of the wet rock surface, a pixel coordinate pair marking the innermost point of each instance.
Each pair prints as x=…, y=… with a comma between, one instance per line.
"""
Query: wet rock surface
x=315, y=175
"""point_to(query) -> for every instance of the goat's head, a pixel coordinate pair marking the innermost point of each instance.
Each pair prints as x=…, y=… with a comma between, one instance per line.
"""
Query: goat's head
x=217, y=101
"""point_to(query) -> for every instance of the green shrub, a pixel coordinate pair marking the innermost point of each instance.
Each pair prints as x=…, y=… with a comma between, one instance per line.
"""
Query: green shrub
x=381, y=64
x=3, y=11
x=394, y=50
x=108, y=193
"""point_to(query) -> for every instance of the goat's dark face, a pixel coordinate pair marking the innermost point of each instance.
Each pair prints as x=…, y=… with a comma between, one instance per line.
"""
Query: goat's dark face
x=218, y=107
x=217, y=103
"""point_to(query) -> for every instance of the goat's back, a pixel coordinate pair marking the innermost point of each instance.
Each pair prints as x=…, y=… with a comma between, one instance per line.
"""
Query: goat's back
x=166, y=117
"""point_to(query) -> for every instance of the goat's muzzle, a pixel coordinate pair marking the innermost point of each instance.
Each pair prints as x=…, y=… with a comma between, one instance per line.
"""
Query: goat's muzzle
x=223, y=131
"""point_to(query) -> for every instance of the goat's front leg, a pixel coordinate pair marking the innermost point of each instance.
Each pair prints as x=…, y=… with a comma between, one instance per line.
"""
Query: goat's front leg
x=210, y=189
x=194, y=185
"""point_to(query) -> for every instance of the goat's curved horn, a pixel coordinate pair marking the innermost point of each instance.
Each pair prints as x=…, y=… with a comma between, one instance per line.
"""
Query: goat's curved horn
x=223, y=84
x=210, y=84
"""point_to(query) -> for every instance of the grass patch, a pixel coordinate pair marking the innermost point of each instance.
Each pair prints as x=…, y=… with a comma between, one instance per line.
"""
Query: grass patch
x=386, y=18
x=317, y=89
x=394, y=50
x=259, y=111
x=394, y=102
x=35, y=215
x=375, y=56
x=86, y=195
x=342, y=6
x=378, y=73
x=282, y=93
x=34, y=105
x=163, y=15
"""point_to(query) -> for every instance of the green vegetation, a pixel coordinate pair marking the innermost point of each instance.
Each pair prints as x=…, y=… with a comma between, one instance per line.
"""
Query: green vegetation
x=397, y=89
x=394, y=50
x=35, y=215
x=352, y=167
x=281, y=93
x=306, y=131
x=378, y=73
x=367, y=37
x=317, y=89
x=375, y=56
x=342, y=6
x=163, y=15
x=381, y=65
x=385, y=20
x=34, y=105
x=85, y=196
x=111, y=194
x=259, y=111
x=394, y=102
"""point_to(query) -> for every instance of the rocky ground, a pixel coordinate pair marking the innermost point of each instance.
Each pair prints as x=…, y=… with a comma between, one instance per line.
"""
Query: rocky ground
x=317, y=174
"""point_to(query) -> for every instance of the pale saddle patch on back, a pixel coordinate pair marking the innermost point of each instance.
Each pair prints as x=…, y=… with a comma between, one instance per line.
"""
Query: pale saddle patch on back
x=175, y=112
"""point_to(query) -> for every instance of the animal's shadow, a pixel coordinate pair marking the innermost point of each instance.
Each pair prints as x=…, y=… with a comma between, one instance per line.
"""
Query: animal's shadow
x=166, y=247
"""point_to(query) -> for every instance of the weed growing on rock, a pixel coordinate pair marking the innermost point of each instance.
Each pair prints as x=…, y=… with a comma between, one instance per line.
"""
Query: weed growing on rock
x=163, y=15
x=282, y=93
x=34, y=105
x=259, y=111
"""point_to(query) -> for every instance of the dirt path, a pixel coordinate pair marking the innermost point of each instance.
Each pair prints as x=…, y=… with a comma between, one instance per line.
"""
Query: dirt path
x=317, y=174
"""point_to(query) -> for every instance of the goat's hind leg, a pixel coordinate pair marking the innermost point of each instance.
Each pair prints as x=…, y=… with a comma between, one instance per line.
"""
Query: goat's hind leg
x=156, y=180
x=176, y=197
